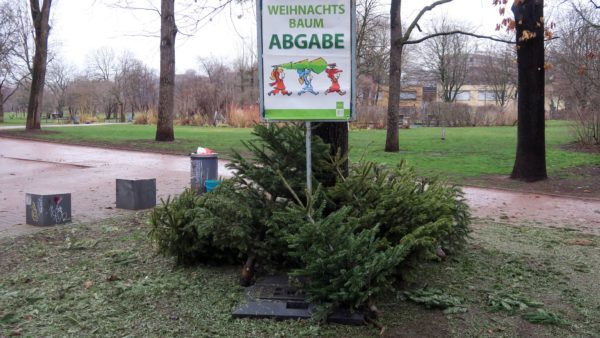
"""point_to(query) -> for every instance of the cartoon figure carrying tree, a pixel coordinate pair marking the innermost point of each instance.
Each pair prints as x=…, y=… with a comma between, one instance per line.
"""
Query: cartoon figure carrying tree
x=305, y=78
x=333, y=73
x=277, y=75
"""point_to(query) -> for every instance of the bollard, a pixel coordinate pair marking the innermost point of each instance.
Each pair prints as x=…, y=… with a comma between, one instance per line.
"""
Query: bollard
x=47, y=209
x=136, y=194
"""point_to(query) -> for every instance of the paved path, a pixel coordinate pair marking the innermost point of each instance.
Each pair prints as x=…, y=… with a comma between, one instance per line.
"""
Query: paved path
x=534, y=209
x=9, y=127
x=89, y=175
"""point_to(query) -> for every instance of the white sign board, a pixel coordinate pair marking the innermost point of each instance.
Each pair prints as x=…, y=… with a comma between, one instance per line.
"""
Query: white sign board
x=306, y=59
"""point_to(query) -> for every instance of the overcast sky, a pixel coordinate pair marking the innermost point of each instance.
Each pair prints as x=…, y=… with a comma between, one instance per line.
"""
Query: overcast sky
x=82, y=26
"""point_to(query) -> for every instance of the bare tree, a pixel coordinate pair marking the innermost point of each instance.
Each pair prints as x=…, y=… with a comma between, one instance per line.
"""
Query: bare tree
x=399, y=39
x=246, y=69
x=373, y=51
x=101, y=64
x=188, y=18
x=60, y=76
x=498, y=73
x=220, y=86
x=25, y=35
x=40, y=17
x=9, y=78
x=577, y=70
x=585, y=9
x=447, y=56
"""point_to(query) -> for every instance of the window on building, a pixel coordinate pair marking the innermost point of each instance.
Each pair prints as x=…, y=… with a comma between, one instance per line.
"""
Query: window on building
x=463, y=96
x=486, y=95
x=408, y=96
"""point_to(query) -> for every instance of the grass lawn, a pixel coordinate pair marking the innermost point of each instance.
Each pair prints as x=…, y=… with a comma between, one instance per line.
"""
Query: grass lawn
x=105, y=279
x=466, y=154
x=8, y=121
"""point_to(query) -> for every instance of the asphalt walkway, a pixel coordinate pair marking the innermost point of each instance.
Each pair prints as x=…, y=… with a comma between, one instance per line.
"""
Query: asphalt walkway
x=89, y=174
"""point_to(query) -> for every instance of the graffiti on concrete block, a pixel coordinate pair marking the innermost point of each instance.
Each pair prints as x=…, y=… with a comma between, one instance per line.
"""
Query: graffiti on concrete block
x=34, y=213
x=56, y=211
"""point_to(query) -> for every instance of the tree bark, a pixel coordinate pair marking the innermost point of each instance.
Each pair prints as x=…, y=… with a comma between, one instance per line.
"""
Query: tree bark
x=38, y=76
x=166, y=96
x=392, y=143
x=530, y=161
x=336, y=135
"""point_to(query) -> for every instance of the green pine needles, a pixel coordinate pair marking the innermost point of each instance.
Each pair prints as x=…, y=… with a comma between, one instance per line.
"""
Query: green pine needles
x=346, y=243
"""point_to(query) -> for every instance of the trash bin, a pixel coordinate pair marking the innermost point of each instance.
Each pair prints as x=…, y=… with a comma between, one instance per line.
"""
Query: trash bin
x=204, y=167
x=211, y=185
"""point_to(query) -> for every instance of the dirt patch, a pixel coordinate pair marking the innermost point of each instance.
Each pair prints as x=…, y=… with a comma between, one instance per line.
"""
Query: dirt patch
x=576, y=182
x=582, y=148
x=427, y=325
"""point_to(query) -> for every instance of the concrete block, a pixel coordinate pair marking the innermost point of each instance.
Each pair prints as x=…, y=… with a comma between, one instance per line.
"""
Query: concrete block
x=136, y=194
x=47, y=209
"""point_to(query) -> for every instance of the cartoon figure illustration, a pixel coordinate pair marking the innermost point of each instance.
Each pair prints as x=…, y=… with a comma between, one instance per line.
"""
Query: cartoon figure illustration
x=333, y=74
x=305, y=78
x=277, y=75
x=306, y=68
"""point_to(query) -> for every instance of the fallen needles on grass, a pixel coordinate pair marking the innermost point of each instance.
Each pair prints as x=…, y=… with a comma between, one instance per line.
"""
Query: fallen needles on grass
x=510, y=302
x=435, y=298
x=541, y=316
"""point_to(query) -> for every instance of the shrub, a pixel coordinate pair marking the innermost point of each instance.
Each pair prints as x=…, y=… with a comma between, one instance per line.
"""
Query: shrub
x=181, y=227
x=462, y=115
x=87, y=118
x=242, y=116
x=587, y=122
x=341, y=266
x=251, y=197
x=148, y=117
x=194, y=120
x=399, y=202
x=347, y=242
x=370, y=116
x=140, y=118
x=345, y=259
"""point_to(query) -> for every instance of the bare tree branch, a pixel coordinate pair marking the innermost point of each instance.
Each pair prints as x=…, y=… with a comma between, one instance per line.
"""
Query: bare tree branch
x=460, y=32
x=584, y=17
x=420, y=15
x=479, y=36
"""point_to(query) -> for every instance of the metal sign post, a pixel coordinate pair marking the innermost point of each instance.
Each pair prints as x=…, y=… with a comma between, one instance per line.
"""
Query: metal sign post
x=307, y=63
x=308, y=158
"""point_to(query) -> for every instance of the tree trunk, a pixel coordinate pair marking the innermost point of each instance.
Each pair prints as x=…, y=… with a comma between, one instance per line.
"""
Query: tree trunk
x=247, y=274
x=166, y=96
x=392, y=143
x=38, y=76
x=530, y=162
x=336, y=135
